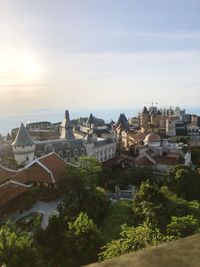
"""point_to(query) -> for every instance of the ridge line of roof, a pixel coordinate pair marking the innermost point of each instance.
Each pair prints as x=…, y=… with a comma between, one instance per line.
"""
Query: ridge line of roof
x=8, y=169
x=47, y=169
x=15, y=182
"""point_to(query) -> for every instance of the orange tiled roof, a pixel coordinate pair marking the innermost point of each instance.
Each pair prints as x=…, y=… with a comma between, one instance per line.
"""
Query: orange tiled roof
x=114, y=161
x=10, y=190
x=144, y=161
x=47, y=169
x=55, y=164
x=5, y=174
x=168, y=161
x=34, y=173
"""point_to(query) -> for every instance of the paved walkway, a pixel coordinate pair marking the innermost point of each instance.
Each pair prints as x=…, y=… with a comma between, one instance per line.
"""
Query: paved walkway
x=45, y=208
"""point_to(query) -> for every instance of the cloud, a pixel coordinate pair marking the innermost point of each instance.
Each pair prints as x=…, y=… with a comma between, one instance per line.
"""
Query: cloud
x=165, y=35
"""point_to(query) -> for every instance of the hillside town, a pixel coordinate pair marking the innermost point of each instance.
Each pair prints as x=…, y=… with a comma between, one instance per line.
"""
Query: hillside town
x=101, y=175
x=37, y=154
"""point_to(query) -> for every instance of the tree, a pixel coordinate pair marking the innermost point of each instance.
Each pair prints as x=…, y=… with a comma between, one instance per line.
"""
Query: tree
x=183, y=226
x=94, y=202
x=82, y=240
x=132, y=239
x=149, y=204
x=196, y=155
x=90, y=169
x=139, y=175
x=18, y=248
x=157, y=206
x=81, y=194
x=185, y=183
x=119, y=213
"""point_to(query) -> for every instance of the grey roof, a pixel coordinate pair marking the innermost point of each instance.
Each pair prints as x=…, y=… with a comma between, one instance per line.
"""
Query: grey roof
x=102, y=142
x=60, y=145
x=1, y=139
x=158, y=112
x=23, y=138
x=94, y=120
x=91, y=119
x=122, y=121
x=8, y=137
x=145, y=110
x=153, y=110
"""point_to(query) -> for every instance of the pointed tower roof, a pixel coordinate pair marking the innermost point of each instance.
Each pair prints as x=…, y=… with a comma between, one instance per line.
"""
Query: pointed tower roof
x=145, y=110
x=67, y=127
x=122, y=121
x=91, y=119
x=66, y=122
x=158, y=112
x=8, y=137
x=23, y=137
x=1, y=139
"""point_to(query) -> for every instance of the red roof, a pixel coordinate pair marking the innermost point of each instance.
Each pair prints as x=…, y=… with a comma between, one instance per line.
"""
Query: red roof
x=168, y=161
x=144, y=161
x=163, y=160
x=47, y=169
x=5, y=174
x=10, y=190
x=55, y=164
x=35, y=173
x=114, y=161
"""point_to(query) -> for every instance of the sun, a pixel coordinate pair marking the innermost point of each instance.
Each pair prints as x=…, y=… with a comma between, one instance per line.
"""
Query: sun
x=19, y=67
x=30, y=68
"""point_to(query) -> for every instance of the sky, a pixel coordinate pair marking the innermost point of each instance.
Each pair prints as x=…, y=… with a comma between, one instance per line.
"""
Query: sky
x=98, y=54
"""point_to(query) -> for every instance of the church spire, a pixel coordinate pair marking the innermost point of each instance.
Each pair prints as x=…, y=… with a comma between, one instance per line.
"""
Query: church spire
x=67, y=128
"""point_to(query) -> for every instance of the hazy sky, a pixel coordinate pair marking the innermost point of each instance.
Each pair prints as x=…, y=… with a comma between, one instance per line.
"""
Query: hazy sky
x=98, y=54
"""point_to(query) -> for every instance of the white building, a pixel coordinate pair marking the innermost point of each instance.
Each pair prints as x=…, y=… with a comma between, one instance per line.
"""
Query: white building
x=100, y=148
x=23, y=146
x=67, y=147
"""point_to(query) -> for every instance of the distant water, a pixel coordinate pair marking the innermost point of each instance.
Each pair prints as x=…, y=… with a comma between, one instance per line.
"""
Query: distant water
x=10, y=122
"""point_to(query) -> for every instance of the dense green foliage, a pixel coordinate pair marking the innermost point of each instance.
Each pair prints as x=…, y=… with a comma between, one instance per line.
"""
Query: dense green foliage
x=17, y=248
x=109, y=179
x=119, y=213
x=89, y=227
x=132, y=239
x=196, y=155
x=81, y=192
x=185, y=183
x=183, y=226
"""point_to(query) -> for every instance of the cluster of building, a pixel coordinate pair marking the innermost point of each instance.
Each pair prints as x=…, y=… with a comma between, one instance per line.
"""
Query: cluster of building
x=91, y=136
x=43, y=161
x=44, y=150
x=70, y=140
x=152, y=137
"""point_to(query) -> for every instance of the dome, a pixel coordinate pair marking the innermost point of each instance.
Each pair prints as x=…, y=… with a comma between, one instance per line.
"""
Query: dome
x=152, y=138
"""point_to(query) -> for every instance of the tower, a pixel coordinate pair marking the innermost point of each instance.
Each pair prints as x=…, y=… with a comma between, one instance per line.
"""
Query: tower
x=67, y=128
x=23, y=146
x=90, y=121
x=144, y=117
x=171, y=126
